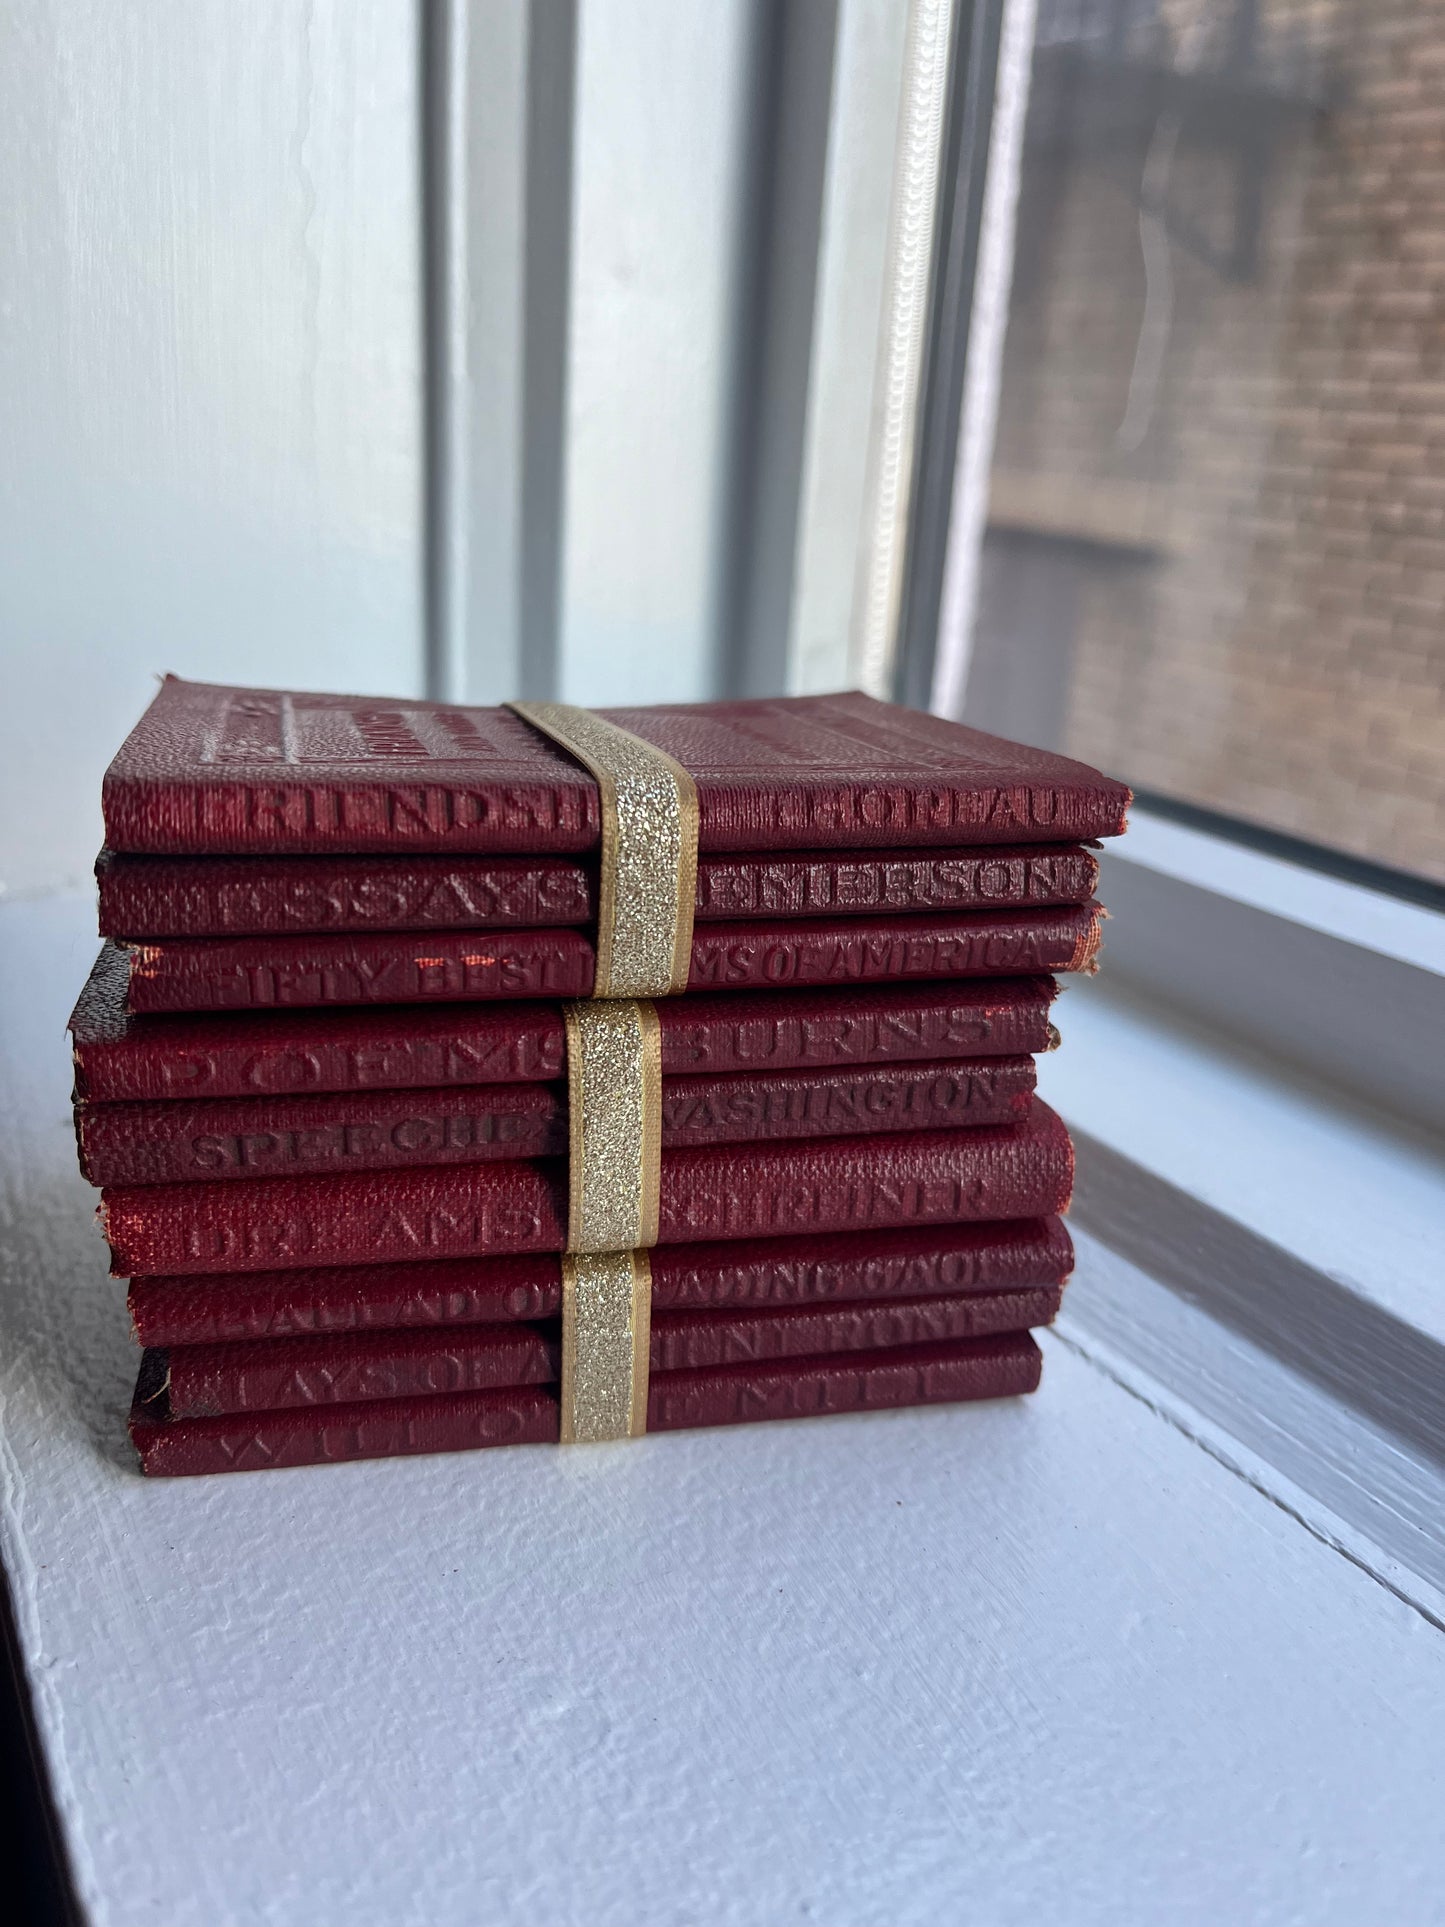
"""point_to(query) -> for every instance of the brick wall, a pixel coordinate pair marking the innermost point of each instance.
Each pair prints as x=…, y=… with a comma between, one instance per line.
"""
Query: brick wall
x=1255, y=495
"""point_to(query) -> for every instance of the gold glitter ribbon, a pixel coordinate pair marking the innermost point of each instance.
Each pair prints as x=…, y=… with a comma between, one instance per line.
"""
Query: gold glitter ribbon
x=648, y=878
x=646, y=893
x=614, y=1125
x=606, y=1339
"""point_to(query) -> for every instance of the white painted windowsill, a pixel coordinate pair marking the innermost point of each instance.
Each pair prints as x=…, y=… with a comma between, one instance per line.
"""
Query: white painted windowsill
x=1258, y=1253
x=1134, y=1650
x=1330, y=906
x=1310, y=969
x=1257, y=1093
x=1342, y=1186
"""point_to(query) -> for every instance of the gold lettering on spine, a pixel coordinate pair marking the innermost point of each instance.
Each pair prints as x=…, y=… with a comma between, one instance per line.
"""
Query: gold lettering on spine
x=606, y=1341
x=648, y=883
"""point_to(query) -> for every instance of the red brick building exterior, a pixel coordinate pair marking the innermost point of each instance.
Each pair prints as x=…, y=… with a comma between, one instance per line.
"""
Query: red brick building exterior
x=1218, y=506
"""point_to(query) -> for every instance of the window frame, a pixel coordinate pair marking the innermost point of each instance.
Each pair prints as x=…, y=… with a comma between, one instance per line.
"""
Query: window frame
x=1342, y=981
x=1335, y=975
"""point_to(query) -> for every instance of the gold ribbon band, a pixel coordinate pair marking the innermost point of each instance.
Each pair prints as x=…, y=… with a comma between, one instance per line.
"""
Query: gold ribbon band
x=648, y=880
x=614, y=1124
x=606, y=1343
x=646, y=892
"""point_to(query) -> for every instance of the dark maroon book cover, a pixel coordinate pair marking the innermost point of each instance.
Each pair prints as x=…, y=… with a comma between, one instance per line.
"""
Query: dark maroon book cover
x=1022, y=1170
x=120, y=1057
x=238, y=1137
x=220, y=770
x=148, y=897
x=971, y=1369
x=444, y=966
x=202, y=1381
x=874, y=1267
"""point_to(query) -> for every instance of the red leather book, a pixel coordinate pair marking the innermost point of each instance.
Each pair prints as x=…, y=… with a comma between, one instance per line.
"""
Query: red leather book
x=144, y=897
x=875, y=1266
x=120, y=1057
x=445, y=966
x=203, y=1381
x=251, y=1137
x=222, y=770
x=767, y=1190
x=677, y=1401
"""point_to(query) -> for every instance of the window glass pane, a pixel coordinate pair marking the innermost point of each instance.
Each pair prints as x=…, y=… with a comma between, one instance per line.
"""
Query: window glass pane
x=1215, y=554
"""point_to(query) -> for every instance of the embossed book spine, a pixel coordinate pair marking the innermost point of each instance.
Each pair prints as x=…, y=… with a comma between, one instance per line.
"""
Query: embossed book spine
x=871, y=1183
x=872, y=1266
x=677, y=1401
x=202, y=1381
x=182, y=1143
x=120, y=1057
x=149, y=897
x=218, y=770
x=293, y=972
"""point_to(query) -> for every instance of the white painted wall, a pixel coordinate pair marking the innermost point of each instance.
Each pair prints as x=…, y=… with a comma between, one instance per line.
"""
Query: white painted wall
x=213, y=419
x=210, y=374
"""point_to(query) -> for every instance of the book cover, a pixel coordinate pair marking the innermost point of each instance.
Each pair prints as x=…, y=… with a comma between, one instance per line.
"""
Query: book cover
x=836, y=1268
x=121, y=1057
x=148, y=897
x=677, y=1401
x=445, y=966
x=181, y=1142
x=224, y=770
x=1022, y=1170
x=203, y=1381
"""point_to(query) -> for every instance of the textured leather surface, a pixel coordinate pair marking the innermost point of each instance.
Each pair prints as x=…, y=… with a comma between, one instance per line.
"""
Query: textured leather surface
x=122, y=1057
x=143, y=898
x=979, y=943
x=232, y=770
x=200, y=1381
x=878, y=1266
x=417, y=967
x=387, y=1428
x=177, y=1143
x=869, y=1183
x=445, y=966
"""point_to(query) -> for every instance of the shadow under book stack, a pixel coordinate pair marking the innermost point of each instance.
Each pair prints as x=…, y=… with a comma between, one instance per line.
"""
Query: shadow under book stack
x=321, y=1066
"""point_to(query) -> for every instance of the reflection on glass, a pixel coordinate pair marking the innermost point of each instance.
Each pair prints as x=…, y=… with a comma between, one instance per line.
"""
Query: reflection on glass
x=1215, y=557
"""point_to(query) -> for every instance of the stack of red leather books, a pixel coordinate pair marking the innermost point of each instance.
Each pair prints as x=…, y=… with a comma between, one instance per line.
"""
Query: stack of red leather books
x=320, y=1066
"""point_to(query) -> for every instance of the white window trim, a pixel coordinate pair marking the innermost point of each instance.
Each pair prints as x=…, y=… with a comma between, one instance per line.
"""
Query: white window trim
x=1258, y=1258
x=1256, y=1087
x=1342, y=981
